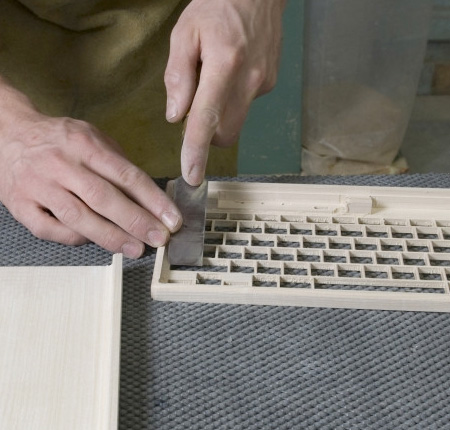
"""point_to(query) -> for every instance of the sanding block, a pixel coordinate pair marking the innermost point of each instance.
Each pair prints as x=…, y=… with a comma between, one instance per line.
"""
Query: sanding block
x=186, y=245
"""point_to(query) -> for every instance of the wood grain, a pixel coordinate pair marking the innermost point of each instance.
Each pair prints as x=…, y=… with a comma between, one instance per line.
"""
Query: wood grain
x=59, y=353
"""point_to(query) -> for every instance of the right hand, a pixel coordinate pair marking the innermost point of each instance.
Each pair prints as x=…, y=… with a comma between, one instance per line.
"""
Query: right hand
x=67, y=182
x=238, y=44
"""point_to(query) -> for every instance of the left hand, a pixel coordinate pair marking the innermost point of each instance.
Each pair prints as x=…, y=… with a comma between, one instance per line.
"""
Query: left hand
x=237, y=43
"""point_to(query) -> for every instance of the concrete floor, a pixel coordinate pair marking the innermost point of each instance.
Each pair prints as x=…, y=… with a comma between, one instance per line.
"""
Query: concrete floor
x=427, y=142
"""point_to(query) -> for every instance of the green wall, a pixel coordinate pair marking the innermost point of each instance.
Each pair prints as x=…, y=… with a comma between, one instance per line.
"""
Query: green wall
x=270, y=140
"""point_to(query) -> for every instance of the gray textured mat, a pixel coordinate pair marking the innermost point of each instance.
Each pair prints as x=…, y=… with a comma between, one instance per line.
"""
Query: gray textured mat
x=192, y=366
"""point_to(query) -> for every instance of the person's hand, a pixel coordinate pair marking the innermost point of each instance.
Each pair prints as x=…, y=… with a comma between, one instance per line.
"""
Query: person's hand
x=67, y=182
x=237, y=43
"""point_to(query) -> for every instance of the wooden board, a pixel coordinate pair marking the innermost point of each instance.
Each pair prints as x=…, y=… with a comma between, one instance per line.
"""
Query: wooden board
x=318, y=245
x=59, y=347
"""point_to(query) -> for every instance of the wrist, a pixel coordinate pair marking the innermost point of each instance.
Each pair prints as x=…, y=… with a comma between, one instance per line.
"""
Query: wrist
x=15, y=106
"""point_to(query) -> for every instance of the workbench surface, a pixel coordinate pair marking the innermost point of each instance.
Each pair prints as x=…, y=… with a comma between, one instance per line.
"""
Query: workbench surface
x=209, y=366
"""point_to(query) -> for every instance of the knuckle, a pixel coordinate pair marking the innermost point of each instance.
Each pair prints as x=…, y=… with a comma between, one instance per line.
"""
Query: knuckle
x=73, y=124
x=66, y=123
x=233, y=58
x=68, y=214
x=171, y=78
x=130, y=176
x=269, y=84
x=256, y=79
x=81, y=134
x=55, y=158
x=136, y=225
x=95, y=194
x=225, y=140
x=210, y=117
x=110, y=239
x=74, y=239
x=80, y=138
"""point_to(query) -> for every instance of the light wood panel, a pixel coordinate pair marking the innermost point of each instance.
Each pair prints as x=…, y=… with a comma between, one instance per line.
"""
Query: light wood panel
x=318, y=245
x=59, y=347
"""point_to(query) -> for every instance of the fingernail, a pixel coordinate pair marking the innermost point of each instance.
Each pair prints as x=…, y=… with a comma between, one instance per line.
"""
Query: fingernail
x=170, y=220
x=157, y=238
x=171, y=110
x=195, y=176
x=132, y=250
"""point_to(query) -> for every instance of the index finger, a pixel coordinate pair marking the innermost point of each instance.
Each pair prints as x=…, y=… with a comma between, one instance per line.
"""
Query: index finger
x=207, y=108
x=137, y=186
